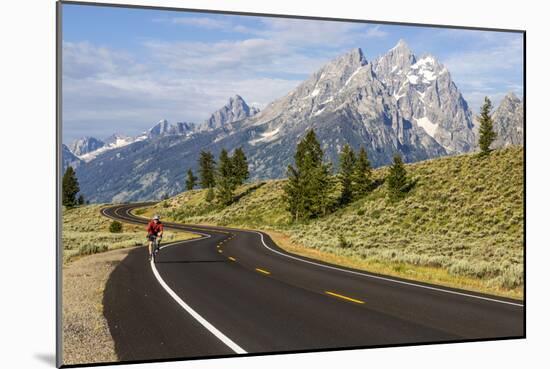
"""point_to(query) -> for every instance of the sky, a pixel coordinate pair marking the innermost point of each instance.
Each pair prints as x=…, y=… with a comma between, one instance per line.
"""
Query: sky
x=125, y=69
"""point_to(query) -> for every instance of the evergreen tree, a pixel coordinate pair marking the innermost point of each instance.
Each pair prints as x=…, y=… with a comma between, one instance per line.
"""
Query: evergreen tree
x=225, y=181
x=347, y=166
x=240, y=166
x=207, y=169
x=70, y=187
x=362, y=173
x=486, y=132
x=80, y=199
x=398, y=183
x=309, y=187
x=191, y=180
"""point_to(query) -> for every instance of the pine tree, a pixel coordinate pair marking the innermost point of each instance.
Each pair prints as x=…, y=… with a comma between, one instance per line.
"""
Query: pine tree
x=207, y=169
x=486, y=132
x=81, y=200
x=240, y=166
x=309, y=187
x=191, y=180
x=70, y=187
x=362, y=173
x=398, y=183
x=347, y=166
x=225, y=181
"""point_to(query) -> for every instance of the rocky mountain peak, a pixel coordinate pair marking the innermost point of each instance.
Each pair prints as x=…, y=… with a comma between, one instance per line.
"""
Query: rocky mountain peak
x=234, y=110
x=510, y=98
x=85, y=145
x=508, y=121
x=396, y=61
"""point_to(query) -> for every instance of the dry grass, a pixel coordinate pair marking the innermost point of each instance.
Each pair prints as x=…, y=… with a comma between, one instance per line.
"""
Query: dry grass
x=86, y=231
x=461, y=225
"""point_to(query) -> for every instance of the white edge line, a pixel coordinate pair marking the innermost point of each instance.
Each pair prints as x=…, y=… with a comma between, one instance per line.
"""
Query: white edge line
x=216, y=332
x=383, y=278
x=205, y=323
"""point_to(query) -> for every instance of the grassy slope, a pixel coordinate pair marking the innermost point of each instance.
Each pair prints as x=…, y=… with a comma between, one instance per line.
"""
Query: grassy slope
x=462, y=225
x=86, y=231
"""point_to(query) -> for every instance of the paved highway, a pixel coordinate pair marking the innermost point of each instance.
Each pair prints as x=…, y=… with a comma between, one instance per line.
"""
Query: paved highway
x=233, y=292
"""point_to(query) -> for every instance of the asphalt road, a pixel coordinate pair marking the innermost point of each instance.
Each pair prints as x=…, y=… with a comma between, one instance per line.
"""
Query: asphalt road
x=235, y=292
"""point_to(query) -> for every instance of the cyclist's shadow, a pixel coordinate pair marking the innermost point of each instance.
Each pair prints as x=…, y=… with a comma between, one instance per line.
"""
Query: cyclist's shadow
x=160, y=261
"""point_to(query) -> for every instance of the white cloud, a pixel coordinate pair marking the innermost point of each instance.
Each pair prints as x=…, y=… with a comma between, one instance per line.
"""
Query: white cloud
x=375, y=32
x=493, y=69
x=105, y=93
x=84, y=60
x=208, y=23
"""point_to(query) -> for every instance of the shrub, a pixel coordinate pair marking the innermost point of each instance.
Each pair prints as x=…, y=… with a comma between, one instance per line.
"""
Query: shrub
x=343, y=243
x=89, y=249
x=115, y=227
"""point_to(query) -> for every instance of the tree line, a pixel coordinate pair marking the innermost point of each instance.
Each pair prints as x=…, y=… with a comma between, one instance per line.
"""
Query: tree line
x=221, y=178
x=312, y=191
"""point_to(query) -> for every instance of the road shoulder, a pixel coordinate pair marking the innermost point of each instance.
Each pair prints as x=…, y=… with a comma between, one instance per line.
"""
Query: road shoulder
x=86, y=336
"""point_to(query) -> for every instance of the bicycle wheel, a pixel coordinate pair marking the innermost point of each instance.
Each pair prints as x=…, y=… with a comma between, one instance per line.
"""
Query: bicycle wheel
x=155, y=249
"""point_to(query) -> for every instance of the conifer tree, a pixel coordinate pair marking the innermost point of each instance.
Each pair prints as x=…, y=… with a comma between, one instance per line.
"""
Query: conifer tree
x=81, y=200
x=70, y=187
x=398, y=183
x=486, y=132
x=191, y=180
x=225, y=181
x=207, y=169
x=309, y=187
x=362, y=173
x=347, y=166
x=240, y=166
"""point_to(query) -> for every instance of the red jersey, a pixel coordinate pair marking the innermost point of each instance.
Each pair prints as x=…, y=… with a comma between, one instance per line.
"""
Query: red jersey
x=154, y=228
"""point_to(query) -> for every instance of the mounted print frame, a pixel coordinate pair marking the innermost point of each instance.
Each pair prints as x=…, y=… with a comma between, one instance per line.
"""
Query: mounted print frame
x=234, y=184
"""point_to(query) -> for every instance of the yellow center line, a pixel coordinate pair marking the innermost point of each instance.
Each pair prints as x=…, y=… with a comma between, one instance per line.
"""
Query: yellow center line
x=344, y=297
x=263, y=271
x=232, y=258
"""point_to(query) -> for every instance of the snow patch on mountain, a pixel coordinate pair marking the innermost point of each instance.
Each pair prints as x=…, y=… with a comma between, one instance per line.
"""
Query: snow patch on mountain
x=428, y=125
x=116, y=143
x=266, y=137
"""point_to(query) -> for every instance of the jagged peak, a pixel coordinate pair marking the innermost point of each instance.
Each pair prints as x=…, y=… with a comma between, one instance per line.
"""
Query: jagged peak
x=236, y=97
x=401, y=46
x=511, y=96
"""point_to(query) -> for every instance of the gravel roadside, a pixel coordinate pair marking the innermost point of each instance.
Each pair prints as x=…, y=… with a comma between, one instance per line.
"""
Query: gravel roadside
x=86, y=336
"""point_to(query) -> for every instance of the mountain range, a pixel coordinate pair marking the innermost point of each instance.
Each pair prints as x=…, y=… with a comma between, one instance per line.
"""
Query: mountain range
x=397, y=102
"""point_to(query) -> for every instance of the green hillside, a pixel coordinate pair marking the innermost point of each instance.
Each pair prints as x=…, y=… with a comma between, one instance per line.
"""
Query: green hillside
x=461, y=225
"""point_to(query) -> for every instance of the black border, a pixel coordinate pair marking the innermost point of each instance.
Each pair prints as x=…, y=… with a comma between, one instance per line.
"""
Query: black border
x=59, y=257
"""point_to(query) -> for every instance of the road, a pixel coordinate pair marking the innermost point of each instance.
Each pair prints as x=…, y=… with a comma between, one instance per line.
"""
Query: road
x=234, y=292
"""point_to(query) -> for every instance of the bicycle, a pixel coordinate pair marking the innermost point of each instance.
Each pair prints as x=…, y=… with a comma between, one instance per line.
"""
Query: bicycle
x=156, y=247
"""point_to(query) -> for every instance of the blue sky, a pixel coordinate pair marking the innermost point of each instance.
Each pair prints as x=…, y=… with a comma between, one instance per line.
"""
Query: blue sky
x=125, y=69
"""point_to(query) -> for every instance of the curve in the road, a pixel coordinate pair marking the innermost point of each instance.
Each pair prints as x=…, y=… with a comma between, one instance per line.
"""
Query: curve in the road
x=241, y=283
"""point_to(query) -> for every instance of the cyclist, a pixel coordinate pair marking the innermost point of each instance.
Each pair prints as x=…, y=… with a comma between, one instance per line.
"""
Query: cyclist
x=154, y=231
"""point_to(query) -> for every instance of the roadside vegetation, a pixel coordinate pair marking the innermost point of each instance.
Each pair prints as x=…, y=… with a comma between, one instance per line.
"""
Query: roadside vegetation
x=85, y=232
